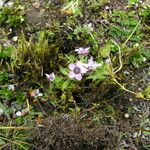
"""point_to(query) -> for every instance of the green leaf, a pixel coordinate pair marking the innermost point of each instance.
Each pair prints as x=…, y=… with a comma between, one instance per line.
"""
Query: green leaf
x=140, y=95
x=20, y=120
x=2, y=142
x=65, y=85
x=100, y=73
x=133, y=1
x=105, y=50
x=147, y=92
x=58, y=82
x=72, y=110
x=7, y=110
x=3, y=77
x=146, y=53
x=64, y=71
x=6, y=94
x=78, y=109
x=6, y=52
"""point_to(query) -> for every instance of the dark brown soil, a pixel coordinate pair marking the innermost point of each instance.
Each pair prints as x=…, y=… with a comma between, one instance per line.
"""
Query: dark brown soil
x=65, y=133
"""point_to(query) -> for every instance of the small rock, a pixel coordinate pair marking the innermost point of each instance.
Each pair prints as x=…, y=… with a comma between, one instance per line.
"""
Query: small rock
x=139, y=116
x=126, y=115
x=139, y=89
x=126, y=72
x=143, y=137
x=107, y=7
x=144, y=59
x=137, y=45
x=135, y=135
x=15, y=38
x=18, y=113
x=36, y=5
x=10, y=29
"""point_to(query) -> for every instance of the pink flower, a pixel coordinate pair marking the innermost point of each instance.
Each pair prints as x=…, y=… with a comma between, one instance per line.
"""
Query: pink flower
x=11, y=87
x=50, y=77
x=92, y=65
x=35, y=93
x=77, y=70
x=82, y=51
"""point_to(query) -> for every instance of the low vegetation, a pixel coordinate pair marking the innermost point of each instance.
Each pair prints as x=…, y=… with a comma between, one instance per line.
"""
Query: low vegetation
x=77, y=72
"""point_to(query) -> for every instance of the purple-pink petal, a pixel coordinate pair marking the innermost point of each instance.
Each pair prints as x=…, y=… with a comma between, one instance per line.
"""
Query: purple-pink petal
x=78, y=77
x=82, y=51
x=81, y=66
x=71, y=74
x=83, y=69
x=87, y=48
x=50, y=77
x=71, y=66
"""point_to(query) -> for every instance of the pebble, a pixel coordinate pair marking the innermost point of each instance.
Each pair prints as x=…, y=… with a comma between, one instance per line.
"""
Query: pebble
x=139, y=89
x=126, y=72
x=139, y=116
x=107, y=7
x=137, y=45
x=36, y=5
x=136, y=109
x=135, y=135
x=126, y=115
x=15, y=38
x=18, y=113
x=144, y=59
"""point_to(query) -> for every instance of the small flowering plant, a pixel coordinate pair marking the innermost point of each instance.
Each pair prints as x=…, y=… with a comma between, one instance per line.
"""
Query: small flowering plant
x=11, y=87
x=50, y=77
x=92, y=65
x=83, y=51
x=77, y=70
x=35, y=93
x=80, y=65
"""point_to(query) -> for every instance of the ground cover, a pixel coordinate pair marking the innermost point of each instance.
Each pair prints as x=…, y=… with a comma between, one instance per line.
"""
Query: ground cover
x=75, y=74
